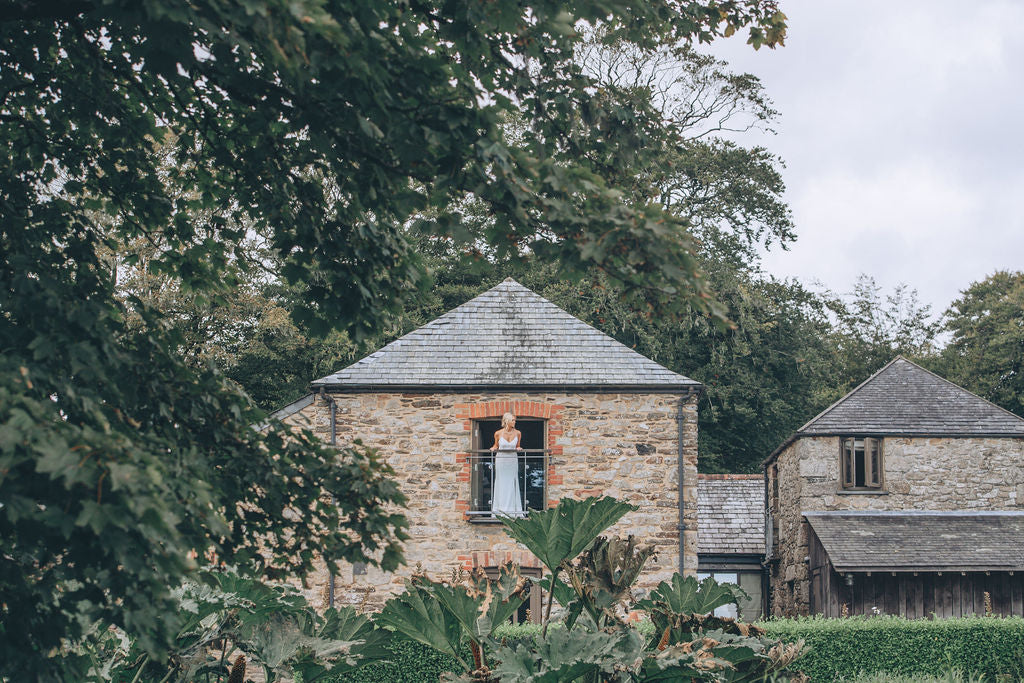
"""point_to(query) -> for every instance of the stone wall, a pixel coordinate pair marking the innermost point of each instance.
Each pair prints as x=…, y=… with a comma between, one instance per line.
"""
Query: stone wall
x=937, y=473
x=621, y=445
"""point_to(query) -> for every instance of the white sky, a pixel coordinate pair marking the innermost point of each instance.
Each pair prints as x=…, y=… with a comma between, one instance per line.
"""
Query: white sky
x=902, y=129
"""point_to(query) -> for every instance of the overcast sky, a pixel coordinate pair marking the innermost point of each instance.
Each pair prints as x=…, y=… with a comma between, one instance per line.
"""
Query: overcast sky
x=903, y=134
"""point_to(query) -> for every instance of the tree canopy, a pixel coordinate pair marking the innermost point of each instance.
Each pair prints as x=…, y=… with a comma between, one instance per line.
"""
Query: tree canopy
x=329, y=129
x=986, y=352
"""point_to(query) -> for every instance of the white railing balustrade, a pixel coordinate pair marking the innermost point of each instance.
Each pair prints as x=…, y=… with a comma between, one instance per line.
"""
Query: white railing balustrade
x=508, y=482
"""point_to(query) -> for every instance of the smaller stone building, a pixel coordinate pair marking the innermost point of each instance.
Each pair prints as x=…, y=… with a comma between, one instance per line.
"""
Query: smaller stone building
x=904, y=497
x=730, y=538
x=597, y=418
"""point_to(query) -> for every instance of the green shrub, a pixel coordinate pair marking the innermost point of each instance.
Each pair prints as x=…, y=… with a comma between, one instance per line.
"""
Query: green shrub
x=952, y=677
x=415, y=663
x=846, y=648
x=854, y=649
x=411, y=663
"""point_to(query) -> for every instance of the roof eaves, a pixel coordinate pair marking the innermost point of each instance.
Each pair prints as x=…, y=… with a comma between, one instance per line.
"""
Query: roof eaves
x=293, y=407
x=783, y=446
x=909, y=435
x=906, y=569
x=689, y=388
x=912, y=513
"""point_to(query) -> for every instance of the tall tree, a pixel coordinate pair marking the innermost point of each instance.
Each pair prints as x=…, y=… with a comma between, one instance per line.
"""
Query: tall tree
x=986, y=352
x=872, y=329
x=328, y=127
x=769, y=366
x=731, y=195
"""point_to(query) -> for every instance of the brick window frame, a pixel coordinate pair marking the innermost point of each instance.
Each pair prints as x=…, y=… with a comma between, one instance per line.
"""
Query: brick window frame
x=493, y=410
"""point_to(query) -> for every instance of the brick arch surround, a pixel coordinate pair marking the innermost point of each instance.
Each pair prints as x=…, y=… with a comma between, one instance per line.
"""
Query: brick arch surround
x=494, y=410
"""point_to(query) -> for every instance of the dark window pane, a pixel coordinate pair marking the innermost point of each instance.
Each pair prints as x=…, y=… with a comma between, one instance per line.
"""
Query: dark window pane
x=485, y=481
x=523, y=614
x=532, y=469
x=874, y=461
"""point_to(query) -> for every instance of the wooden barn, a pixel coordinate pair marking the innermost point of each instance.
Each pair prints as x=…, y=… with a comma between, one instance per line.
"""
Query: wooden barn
x=916, y=563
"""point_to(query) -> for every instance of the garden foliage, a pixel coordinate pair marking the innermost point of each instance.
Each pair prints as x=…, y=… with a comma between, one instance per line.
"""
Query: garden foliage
x=231, y=624
x=845, y=648
x=329, y=129
x=227, y=622
x=591, y=577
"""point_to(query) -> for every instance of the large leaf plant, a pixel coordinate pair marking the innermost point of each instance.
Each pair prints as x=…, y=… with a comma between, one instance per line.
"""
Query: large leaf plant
x=592, y=577
x=232, y=623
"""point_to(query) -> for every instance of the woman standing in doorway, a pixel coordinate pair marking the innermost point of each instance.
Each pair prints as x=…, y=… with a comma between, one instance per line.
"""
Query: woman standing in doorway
x=506, y=498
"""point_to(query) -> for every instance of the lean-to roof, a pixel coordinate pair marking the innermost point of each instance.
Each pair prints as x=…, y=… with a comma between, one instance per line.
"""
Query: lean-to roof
x=921, y=541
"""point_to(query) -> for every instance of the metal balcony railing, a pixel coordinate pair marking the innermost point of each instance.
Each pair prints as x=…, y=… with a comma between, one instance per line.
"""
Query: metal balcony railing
x=486, y=480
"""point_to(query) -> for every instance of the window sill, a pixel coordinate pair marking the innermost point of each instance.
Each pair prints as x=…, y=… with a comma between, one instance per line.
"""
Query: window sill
x=861, y=492
x=485, y=519
x=477, y=519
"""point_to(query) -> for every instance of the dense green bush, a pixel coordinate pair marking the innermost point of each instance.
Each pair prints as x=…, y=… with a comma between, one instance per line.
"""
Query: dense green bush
x=839, y=649
x=411, y=663
x=843, y=648
x=416, y=663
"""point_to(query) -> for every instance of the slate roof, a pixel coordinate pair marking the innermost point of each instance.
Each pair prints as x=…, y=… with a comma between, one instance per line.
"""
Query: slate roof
x=293, y=407
x=904, y=399
x=507, y=337
x=921, y=541
x=730, y=514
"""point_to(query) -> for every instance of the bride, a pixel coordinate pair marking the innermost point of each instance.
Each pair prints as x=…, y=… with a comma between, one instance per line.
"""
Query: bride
x=506, y=499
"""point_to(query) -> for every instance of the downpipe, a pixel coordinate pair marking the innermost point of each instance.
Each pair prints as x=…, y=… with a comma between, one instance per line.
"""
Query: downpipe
x=681, y=480
x=681, y=471
x=334, y=444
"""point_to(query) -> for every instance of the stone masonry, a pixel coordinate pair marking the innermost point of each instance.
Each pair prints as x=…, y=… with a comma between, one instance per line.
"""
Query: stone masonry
x=616, y=444
x=936, y=473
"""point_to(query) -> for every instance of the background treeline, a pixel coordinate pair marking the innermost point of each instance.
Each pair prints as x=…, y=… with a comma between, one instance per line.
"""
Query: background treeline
x=790, y=351
x=772, y=353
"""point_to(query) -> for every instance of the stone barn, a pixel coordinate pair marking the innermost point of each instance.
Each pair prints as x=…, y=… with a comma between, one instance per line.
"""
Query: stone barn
x=904, y=497
x=597, y=418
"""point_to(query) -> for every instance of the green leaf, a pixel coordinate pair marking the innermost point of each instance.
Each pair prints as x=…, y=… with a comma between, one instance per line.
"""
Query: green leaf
x=418, y=615
x=560, y=534
x=566, y=655
x=688, y=596
x=479, y=604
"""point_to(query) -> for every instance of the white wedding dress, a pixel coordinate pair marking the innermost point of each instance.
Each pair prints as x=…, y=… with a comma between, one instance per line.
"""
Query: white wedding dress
x=506, y=498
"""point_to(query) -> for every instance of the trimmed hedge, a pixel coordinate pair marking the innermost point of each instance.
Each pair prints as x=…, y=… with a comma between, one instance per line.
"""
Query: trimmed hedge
x=838, y=648
x=844, y=648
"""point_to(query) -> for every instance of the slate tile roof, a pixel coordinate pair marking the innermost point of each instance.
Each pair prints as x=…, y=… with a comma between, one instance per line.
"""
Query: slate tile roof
x=904, y=398
x=506, y=337
x=921, y=541
x=730, y=514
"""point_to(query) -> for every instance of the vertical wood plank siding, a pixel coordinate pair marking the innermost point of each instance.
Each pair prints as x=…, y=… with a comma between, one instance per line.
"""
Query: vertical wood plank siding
x=950, y=594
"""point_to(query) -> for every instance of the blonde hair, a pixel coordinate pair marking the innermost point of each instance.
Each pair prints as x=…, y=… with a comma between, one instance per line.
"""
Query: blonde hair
x=506, y=418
